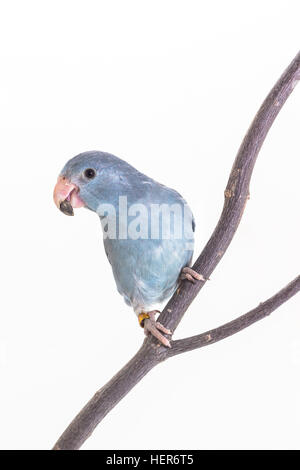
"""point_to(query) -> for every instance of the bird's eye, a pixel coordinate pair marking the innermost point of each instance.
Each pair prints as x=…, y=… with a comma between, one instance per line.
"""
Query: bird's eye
x=89, y=173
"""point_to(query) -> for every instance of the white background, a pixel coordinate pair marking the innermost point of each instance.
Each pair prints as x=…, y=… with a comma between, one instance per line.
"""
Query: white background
x=170, y=86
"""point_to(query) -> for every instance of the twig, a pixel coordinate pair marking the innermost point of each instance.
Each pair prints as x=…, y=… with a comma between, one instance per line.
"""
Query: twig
x=151, y=353
x=217, y=334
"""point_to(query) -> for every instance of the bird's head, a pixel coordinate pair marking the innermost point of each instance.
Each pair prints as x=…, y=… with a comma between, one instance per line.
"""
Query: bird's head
x=85, y=178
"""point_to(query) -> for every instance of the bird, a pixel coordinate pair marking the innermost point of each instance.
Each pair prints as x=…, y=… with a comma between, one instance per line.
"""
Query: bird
x=147, y=229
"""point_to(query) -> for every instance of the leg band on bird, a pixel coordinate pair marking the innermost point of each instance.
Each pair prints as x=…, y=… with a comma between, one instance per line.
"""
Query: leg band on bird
x=142, y=317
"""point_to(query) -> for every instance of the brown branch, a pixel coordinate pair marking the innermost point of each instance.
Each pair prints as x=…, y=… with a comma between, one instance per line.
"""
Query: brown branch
x=236, y=194
x=148, y=357
x=217, y=334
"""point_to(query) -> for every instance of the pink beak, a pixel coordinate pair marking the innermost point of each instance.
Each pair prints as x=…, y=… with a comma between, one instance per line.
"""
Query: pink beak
x=66, y=197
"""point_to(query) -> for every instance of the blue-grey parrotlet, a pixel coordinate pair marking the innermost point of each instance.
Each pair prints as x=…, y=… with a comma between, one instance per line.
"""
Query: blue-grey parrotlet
x=148, y=229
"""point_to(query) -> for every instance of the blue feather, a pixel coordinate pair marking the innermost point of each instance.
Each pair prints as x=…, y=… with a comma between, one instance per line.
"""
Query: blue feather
x=146, y=269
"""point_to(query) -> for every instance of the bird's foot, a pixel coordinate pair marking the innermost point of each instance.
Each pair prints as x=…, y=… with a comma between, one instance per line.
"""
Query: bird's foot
x=191, y=275
x=147, y=321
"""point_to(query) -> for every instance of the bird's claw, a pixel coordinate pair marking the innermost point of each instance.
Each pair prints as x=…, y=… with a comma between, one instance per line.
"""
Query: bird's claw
x=155, y=328
x=190, y=275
